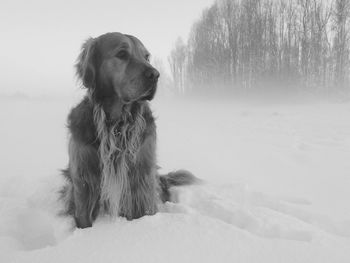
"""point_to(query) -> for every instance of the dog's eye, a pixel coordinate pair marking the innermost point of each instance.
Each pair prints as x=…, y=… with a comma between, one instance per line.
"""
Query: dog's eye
x=123, y=54
x=147, y=57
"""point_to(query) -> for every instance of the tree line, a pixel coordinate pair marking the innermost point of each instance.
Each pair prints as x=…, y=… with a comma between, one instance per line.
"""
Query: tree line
x=260, y=45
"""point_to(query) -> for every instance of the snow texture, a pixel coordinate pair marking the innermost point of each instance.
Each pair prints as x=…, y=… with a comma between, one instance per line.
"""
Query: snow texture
x=276, y=190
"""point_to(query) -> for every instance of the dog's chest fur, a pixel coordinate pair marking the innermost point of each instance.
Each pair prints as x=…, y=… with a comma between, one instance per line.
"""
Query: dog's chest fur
x=126, y=152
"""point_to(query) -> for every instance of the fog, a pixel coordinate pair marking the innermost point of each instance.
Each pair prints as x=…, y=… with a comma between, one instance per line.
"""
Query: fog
x=271, y=54
x=40, y=40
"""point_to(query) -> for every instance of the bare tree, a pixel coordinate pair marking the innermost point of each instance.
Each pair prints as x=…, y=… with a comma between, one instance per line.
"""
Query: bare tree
x=341, y=20
x=177, y=65
x=252, y=45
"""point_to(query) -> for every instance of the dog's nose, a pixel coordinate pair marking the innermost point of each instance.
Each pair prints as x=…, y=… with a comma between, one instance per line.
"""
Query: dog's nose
x=152, y=74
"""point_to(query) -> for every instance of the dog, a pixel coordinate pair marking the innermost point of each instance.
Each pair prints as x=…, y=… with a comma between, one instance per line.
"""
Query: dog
x=112, y=165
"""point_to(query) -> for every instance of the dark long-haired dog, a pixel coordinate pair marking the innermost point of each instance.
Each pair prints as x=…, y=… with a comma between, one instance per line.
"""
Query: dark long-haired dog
x=112, y=162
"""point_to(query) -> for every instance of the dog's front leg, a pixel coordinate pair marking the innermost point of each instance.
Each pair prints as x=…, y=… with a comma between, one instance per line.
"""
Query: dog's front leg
x=143, y=183
x=85, y=175
x=81, y=196
x=86, y=200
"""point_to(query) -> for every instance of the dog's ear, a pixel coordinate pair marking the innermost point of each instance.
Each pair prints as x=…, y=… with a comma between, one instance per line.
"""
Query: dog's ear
x=85, y=63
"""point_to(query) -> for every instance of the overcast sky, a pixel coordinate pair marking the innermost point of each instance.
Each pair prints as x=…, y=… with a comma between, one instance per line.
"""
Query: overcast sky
x=40, y=39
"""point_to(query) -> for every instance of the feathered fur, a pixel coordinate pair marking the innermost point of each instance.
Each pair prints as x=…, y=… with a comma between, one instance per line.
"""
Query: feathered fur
x=119, y=146
x=112, y=145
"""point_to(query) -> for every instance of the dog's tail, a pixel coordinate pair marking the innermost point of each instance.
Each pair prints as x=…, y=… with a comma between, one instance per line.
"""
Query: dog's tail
x=176, y=178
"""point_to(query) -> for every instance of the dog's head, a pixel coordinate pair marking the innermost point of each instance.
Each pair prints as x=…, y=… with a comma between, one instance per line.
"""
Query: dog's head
x=118, y=65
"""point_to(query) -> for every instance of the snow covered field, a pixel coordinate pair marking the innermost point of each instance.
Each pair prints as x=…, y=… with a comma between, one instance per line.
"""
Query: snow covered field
x=277, y=186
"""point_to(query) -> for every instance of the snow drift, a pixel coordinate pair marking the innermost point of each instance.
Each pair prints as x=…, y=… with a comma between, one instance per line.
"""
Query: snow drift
x=276, y=187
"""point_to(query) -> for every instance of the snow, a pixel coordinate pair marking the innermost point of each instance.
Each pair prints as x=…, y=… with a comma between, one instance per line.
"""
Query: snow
x=276, y=190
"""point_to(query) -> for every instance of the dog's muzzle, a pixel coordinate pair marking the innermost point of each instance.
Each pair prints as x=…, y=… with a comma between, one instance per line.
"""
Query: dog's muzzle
x=151, y=76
